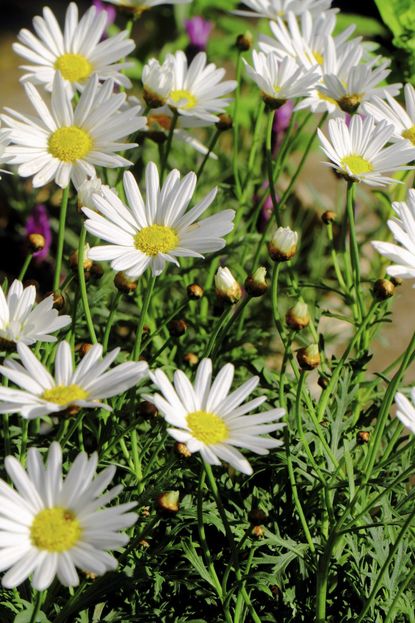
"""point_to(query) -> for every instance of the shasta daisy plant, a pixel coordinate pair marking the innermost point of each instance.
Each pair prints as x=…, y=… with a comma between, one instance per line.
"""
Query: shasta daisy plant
x=401, y=118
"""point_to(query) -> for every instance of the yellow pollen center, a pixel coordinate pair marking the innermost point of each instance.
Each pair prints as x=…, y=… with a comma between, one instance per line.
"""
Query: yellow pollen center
x=74, y=67
x=207, y=427
x=409, y=134
x=55, y=529
x=183, y=99
x=70, y=143
x=156, y=239
x=357, y=165
x=64, y=394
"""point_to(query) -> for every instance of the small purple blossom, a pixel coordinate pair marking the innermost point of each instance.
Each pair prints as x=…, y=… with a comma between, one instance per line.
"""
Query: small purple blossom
x=198, y=30
x=111, y=11
x=282, y=120
x=38, y=223
x=266, y=210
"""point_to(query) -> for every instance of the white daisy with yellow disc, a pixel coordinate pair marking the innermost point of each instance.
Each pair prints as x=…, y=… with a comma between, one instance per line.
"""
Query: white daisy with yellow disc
x=212, y=421
x=402, y=118
x=64, y=142
x=49, y=526
x=86, y=386
x=150, y=233
x=139, y=6
x=272, y=9
x=76, y=53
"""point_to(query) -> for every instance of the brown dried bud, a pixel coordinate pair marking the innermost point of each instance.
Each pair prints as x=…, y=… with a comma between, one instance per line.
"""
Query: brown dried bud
x=244, y=41
x=36, y=242
x=297, y=317
x=257, y=517
x=225, y=122
x=195, y=292
x=362, y=437
x=84, y=348
x=383, y=289
x=258, y=532
x=147, y=410
x=73, y=262
x=182, y=449
x=397, y=281
x=177, y=328
x=308, y=358
x=328, y=217
x=168, y=502
x=124, y=284
x=58, y=300
x=191, y=359
x=256, y=284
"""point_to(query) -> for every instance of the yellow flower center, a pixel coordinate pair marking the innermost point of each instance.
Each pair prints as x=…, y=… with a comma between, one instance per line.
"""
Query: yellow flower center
x=183, y=99
x=156, y=239
x=64, y=394
x=70, y=144
x=410, y=134
x=74, y=67
x=55, y=529
x=318, y=57
x=326, y=98
x=350, y=103
x=207, y=427
x=357, y=165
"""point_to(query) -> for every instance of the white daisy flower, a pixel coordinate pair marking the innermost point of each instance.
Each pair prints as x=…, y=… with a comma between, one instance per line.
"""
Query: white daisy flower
x=22, y=321
x=197, y=90
x=402, y=119
x=138, y=6
x=359, y=152
x=89, y=187
x=50, y=525
x=84, y=387
x=76, y=53
x=157, y=82
x=402, y=227
x=64, y=144
x=213, y=422
x=272, y=9
x=279, y=80
x=147, y=235
x=405, y=410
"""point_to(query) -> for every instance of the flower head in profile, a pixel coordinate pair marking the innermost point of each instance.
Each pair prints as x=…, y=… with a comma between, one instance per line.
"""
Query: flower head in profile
x=283, y=244
x=212, y=421
x=272, y=9
x=359, y=152
x=148, y=234
x=76, y=53
x=63, y=143
x=23, y=321
x=139, y=6
x=50, y=525
x=197, y=89
x=157, y=81
x=402, y=227
x=70, y=389
x=405, y=411
x=402, y=119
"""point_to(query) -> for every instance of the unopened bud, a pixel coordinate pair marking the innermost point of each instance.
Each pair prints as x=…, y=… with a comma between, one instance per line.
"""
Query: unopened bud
x=297, y=317
x=362, y=437
x=84, y=348
x=96, y=271
x=182, y=449
x=191, y=359
x=308, y=358
x=177, y=328
x=328, y=217
x=147, y=410
x=257, y=517
x=256, y=284
x=58, y=300
x=244, y=41
x=227, y=288
x=397, y=281
x=124, y=284
x=383, y=289
x=323, y=381
x=283, y=244
x=73, y=261
x=168, y=502
x=195, y=292
x=225, y=122
x=258, y=532
x=36, y=242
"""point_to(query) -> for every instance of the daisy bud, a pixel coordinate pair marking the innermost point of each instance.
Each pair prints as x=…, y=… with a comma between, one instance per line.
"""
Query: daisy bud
x=308, y=358
x=58, y=300
x=258, y=532
x=191, y=359
x=147, y=410
x=84, y=348
x=257, y=517
x=244, y=41
x=168, y=502
x=88, y=188
x=283, y=244
x=227, y=288
x=157, y=83
x=297, y=317
x=397, y=281
x=73, y=262
x=182, y=450
x=362, y=437
x=328, y=217
x=36, y=242
x=225, y=122
x=195, y=292
x=124, y=284
x=96, y=271
x=323, y=381
x=256, y=284
x=383, y=289
x=177, y=328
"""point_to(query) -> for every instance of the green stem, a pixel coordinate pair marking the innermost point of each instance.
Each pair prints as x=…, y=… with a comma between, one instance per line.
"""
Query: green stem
x=219, y=325
x=268, y=149
x=165, y=322
x=168, y=145
x=334, y=259
x=139, y=335
x=61, y=237
x=203, y=540
x=236, y=126
x=390, y=616
x=354, y=247
x=255, y=141
x=36, y=607
x=82, y=286
x=25, y=266
x=210, y=149
x=110, y=321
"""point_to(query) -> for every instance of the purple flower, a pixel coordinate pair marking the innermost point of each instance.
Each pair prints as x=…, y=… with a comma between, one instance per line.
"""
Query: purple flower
x=267, y=209
x=111, y=11
x=198, y=30
x=282, y=120
x=38, y=223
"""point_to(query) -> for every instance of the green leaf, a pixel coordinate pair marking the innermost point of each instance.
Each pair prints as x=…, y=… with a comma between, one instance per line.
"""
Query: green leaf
x=26, y=616
x=197, y=562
